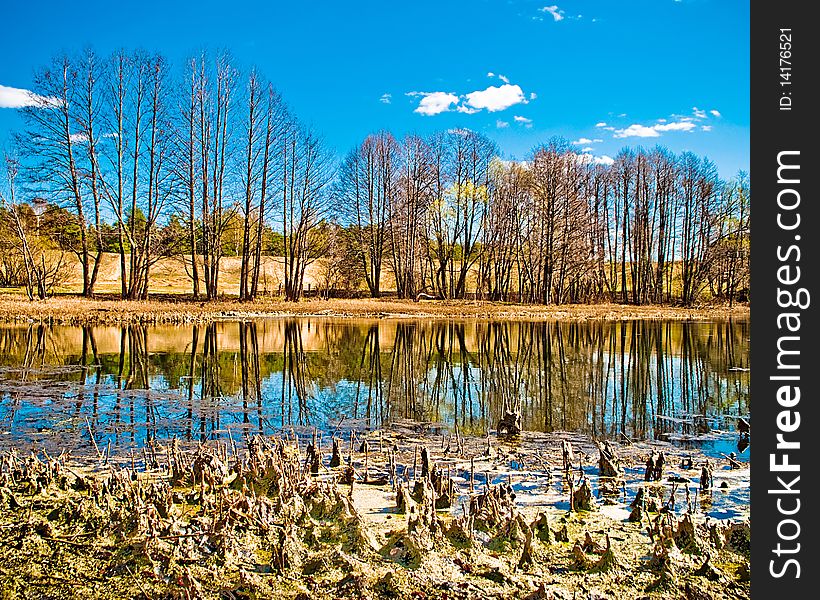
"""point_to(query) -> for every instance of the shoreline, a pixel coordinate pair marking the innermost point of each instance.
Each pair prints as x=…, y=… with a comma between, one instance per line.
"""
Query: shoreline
x=74, y=310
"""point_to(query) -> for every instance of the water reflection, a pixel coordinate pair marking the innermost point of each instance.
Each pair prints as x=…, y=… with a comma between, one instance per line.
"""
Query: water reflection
x=639, y=379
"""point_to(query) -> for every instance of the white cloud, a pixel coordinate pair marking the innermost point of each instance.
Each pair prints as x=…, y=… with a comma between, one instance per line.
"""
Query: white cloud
x=715, y=113
x=679, y=126
x=588, y=158
x=582, y=141
x=699, y=114
x=496, y=98
x=467, y=110
x=433, y=103
x=11, y=97
x=587, y=149
x=642, y=131
x=492, y=99
x=600, y=124
x=523, y=121
x=78, y=138
x=386, y=98
x=637, y=131
x=501, y=124
x=557, y=13
x=706, y=128
x=533, y=95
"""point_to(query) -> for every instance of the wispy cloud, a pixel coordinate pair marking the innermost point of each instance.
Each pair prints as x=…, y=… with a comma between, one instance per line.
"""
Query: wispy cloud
x=502, y=124
x=691, y=122
x=503, y=78
x=586, y=158
x=434, y=103
x=586, y=141
x=557, y=13
x=676, y=126
x=11, y=97
x=638, y=130
x=523, y=121
x=386, y=98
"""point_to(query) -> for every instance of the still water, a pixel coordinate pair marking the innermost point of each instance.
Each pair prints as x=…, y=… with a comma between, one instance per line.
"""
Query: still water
x=59, y=386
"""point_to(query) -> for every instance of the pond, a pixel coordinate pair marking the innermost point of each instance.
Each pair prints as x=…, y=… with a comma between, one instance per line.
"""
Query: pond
x=76, y=387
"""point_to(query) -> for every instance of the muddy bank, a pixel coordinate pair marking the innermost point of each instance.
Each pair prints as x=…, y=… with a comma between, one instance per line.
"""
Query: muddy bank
x=412, y=512
x=170, y=309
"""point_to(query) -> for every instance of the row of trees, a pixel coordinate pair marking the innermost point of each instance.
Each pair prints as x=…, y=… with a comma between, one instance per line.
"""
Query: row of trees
x=120, y=137
x=150, y=164
x=649, y=227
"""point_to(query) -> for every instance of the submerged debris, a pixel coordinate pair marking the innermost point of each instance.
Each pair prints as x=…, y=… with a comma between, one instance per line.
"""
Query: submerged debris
x=607, y=460
x=582, y=498
x=510, y=423
x=282, y=519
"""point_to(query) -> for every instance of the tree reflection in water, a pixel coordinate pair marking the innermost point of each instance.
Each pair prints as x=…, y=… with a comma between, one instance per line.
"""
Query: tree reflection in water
x=607, y=378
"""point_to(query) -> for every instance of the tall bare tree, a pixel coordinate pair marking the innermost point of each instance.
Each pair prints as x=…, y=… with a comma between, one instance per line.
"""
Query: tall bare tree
x=368, y=187
x=53, y=147
x=306, y=174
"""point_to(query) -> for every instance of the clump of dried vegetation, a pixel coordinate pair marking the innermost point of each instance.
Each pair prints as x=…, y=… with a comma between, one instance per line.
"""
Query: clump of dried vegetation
x=179, y=309
x=284, y=519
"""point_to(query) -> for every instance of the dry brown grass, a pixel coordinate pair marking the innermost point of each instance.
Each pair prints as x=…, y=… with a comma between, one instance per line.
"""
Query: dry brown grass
x=180, y=309
x=171, y=302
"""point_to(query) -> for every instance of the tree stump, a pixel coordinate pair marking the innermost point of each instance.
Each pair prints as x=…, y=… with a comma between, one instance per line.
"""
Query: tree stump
x=607, y=461
x=510, y=423
x=336, y=457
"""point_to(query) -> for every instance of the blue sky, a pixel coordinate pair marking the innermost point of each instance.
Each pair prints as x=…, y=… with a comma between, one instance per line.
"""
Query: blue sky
x=601, y=73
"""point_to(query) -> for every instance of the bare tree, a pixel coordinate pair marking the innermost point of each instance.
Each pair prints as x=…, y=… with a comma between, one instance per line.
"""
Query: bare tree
x=189, y=169
x=367, y=188
x=501, y=234
x=52, y=147
x=306, y=174
x=216, y=138
x=43, y=263
x=265, y=124
x=407, y=213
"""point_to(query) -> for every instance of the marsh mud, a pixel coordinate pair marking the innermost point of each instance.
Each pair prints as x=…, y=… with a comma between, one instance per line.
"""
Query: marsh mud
x=411, y=511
